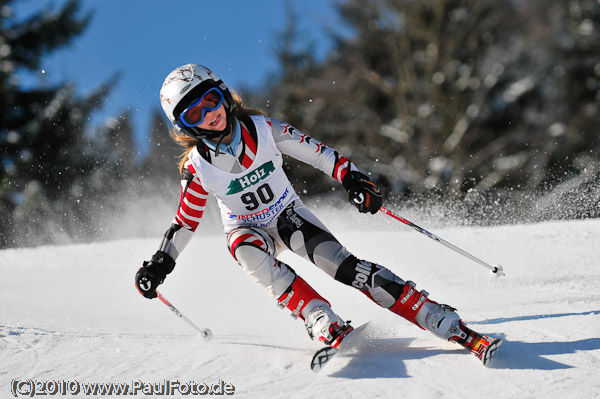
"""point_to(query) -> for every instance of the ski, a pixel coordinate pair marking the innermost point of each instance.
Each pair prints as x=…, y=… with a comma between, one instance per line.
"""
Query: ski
x=487, y=352
x=482, y=346
x=324, y=355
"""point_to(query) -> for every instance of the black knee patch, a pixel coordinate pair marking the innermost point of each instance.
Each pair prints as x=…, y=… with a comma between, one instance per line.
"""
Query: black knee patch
x=367, y=276
x=354, y=273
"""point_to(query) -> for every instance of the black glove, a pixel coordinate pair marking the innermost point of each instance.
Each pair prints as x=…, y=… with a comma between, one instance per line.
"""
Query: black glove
x=153, y=273
x=362, y=193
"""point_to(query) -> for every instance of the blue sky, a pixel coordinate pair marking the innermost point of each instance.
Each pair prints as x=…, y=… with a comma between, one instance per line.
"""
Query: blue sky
x=145, y=40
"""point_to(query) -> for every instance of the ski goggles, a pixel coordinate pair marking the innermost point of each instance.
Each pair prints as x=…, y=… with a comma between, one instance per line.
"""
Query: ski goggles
x=194, y=114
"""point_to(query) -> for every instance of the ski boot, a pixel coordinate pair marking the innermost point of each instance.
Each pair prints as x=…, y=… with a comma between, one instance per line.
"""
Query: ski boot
x=325, y=326
x=443, y=321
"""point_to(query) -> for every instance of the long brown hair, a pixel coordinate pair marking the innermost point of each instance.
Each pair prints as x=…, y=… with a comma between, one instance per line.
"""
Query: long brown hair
x=188, y=143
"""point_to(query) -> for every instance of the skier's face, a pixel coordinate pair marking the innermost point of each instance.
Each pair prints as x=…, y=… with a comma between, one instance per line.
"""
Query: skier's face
x=215, y=120
x=195, y=113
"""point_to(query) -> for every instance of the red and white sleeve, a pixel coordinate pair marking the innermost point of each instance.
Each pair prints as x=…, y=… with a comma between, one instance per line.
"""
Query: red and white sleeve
x=296, y=144
x=192, y=203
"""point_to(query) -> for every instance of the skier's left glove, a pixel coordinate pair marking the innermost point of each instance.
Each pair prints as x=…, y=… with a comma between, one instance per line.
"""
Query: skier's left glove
x=153, y=273
x=362, y=193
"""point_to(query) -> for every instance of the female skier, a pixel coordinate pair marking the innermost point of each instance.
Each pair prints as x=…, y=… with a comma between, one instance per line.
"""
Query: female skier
x=235, y=153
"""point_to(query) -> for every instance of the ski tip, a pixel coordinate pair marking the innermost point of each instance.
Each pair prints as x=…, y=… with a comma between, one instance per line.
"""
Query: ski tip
x=324, y=355
x=491, y=351
x=321, y=357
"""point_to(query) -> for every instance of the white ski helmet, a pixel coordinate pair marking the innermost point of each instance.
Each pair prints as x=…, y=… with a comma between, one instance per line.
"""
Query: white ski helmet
x=186, y=84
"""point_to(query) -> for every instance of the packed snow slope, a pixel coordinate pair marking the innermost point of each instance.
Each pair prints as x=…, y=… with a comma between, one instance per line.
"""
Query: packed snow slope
x=72, y=313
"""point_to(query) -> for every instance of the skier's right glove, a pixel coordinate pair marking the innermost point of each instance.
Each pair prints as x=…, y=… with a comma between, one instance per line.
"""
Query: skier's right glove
x=153, y=273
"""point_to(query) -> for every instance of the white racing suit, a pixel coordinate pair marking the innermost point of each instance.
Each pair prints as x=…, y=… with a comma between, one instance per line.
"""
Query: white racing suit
x=262, y=216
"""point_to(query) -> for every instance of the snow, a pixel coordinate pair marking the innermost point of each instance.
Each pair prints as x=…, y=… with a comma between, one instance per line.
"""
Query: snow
x=71, y=312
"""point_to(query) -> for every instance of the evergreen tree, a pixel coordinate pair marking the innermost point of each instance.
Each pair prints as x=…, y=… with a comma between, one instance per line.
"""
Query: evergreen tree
x=45, y=146
x=453, y=95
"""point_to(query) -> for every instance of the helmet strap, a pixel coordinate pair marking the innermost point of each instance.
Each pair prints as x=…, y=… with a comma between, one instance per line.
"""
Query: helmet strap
x=221, y=137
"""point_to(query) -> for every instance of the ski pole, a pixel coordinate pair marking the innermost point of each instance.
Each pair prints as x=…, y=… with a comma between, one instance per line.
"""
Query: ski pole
x=496, y=270
x=204, y=333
